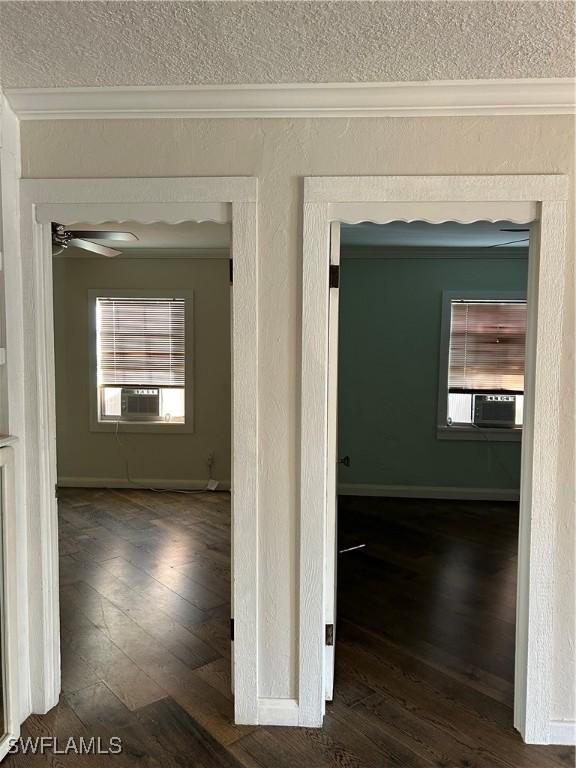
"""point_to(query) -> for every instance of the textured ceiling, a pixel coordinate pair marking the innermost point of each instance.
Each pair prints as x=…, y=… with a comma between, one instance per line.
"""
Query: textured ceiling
x=55, y=44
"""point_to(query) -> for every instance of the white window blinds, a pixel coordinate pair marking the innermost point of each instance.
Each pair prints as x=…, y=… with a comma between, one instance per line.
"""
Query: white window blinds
x=140, y=342
x=487, y=341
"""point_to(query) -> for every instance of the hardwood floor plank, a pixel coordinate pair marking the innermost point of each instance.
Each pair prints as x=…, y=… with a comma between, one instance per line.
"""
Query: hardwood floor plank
x=176, y=733
x=97, y=706
x=62, y=723
x=218, y=675
x=210, y=568
x=166, y=603
x=169, y=635
x=76, y=672
x=394, y=660
x=156, y=579
x=377, y=746
x=265, y=748
x=424, y=641
x=204, y=702
x=377, y=716
x=191, y=590
x=445, y=663
x=216, y=633
x=427, y=703
x=134, y=687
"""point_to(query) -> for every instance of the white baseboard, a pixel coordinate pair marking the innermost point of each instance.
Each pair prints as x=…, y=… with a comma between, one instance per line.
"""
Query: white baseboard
x=563, y=732
x=429, y=492
x=138, y=482
x=278, y=712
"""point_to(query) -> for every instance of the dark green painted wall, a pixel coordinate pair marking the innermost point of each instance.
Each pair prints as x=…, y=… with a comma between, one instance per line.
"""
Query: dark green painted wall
x=390, y=327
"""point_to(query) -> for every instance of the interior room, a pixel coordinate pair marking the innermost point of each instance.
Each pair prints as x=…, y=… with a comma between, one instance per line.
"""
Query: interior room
x=235, y=532
x=143, y=407
x=432, y=327
x=184, y=449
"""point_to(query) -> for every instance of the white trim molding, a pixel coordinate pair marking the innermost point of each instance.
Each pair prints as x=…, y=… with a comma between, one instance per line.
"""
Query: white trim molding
x=429, y=492
x=160, y=483
x=551, y=96
x=10, y=171
x=29, y=306
x=10, y=608
x=541, y=200
x=563, y=732
x=277, y=711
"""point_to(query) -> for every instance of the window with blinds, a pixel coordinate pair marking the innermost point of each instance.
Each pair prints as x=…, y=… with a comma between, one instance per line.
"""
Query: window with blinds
x=140, y=353
x=487, y=341
x=486, y=356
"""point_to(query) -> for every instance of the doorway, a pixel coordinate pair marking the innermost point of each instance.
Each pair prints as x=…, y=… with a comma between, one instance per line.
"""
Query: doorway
x=432, y=325
x=538, y=201
x=220, y=200
x=143, y=433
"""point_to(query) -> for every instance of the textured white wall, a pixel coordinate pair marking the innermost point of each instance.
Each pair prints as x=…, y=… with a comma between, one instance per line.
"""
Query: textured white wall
x=280, y=153
x=54, y=44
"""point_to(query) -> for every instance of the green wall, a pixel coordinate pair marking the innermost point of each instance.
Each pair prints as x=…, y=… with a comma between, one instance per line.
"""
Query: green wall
x=390, y=315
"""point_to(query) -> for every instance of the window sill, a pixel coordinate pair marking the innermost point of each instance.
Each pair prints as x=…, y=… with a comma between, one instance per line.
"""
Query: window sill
x=487, y=434
x=151, y=427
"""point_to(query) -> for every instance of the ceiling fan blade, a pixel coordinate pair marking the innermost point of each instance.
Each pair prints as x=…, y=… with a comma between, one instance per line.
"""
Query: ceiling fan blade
x=103, y=234
x=101, y=250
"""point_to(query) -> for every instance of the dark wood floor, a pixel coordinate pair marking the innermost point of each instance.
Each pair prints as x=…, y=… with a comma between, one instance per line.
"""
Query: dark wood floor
x=425, y=640
x=436, y=578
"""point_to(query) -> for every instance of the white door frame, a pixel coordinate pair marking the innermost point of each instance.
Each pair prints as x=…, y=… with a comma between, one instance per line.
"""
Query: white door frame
x=9, y=608
x=30, y=310
x=541, y=199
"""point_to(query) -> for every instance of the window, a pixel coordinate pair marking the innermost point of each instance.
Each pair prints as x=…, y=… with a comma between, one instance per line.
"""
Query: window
x=140, y=359
x=482, y=375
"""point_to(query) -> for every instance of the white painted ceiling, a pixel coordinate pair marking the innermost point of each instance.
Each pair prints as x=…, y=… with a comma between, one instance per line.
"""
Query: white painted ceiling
x=208, y=235
x=480, y=234
x=158, y=236
x=57, y=44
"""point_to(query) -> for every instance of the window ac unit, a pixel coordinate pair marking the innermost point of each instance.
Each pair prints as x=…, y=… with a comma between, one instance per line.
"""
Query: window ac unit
x=140, y=404
x=495, y=410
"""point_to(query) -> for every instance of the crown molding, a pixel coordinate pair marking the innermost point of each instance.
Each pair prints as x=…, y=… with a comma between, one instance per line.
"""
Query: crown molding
x=555, y=96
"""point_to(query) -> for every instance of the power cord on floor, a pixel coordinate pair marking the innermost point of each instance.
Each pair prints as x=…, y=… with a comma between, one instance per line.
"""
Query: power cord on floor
x=140, y=486
x=494, y=453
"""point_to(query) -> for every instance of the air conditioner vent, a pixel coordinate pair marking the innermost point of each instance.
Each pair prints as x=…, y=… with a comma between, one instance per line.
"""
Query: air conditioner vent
x=495, y=410
x=141, y=404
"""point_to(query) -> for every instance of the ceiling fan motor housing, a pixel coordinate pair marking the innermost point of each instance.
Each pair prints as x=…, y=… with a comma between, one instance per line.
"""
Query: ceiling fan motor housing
x=60, y=235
